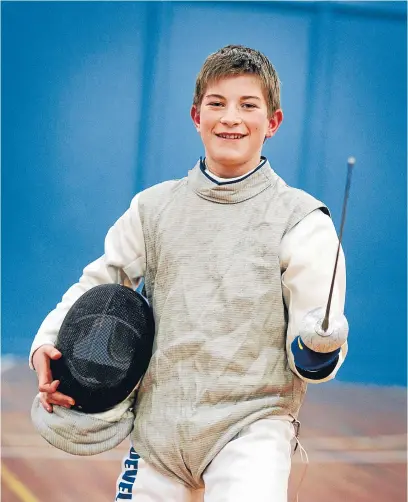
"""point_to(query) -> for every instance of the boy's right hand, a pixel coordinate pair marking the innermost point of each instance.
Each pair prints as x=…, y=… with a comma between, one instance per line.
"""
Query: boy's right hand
x=46, y=385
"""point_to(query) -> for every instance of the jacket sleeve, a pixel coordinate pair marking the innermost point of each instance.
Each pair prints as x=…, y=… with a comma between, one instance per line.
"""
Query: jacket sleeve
x=308, y=253
x=124, y=252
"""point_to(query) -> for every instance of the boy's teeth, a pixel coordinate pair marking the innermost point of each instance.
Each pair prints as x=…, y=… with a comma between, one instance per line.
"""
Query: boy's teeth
x=231, y=136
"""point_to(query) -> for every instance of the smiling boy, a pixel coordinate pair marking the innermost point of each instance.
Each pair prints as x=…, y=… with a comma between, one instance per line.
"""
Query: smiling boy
x=233, y=141
x=233, y=259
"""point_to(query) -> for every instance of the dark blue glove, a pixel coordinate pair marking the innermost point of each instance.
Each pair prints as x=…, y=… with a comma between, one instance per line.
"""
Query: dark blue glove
x=311, y=364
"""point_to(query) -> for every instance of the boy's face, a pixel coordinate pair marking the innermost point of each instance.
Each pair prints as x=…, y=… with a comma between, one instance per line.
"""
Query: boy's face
x=233, y=123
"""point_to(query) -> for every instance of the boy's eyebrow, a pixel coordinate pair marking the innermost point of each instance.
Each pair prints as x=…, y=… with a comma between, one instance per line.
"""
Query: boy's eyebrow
x=222, y=97
x=214, y=96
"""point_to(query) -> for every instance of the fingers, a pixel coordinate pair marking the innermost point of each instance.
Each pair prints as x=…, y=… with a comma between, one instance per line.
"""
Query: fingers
x=61, y=399
x=45, y=352
x=46, y=405
x=52, y=352
x=46, y=385
x=48, y=400
x=41, y=363
x=49, y=388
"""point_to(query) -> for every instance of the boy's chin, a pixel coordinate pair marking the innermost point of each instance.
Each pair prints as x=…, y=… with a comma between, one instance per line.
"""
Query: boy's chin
x=230, y=160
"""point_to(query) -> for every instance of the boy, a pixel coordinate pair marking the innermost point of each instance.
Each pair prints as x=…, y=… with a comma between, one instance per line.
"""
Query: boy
x=233, y=259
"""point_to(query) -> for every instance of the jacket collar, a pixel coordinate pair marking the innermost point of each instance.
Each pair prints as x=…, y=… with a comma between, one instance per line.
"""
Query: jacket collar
x=231, y=192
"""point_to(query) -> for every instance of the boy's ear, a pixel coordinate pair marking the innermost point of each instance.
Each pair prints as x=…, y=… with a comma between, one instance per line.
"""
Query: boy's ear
x=195, y=115
x=274, y=123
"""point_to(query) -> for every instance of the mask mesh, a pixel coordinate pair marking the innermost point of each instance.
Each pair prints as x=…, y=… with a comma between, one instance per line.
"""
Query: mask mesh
x=106, y=344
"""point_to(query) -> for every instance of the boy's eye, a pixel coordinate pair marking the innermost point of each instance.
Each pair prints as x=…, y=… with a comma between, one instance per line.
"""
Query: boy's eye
x=218, y=104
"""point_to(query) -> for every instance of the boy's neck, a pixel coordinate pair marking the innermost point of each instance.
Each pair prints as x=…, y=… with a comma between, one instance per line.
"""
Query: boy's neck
x=222, y=171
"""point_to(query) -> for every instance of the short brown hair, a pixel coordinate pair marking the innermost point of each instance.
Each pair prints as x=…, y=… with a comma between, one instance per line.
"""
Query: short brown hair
x=239, y=60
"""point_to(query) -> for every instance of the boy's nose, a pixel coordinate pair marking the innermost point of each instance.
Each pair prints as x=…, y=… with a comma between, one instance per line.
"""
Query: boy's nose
x=230, y=118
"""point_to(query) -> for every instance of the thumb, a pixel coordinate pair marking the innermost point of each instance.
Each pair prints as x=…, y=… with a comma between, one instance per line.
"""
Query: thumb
x=53, y=353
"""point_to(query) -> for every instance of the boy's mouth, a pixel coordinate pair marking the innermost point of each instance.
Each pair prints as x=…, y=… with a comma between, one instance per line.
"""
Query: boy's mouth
x=230, y=136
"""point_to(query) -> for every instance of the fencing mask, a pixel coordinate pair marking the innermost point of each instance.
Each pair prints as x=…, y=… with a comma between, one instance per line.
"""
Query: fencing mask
x=106, y=342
